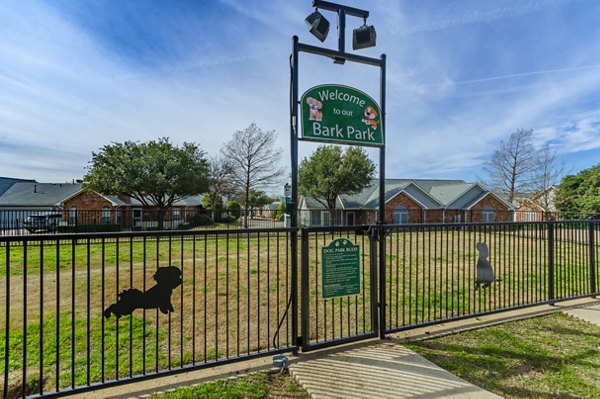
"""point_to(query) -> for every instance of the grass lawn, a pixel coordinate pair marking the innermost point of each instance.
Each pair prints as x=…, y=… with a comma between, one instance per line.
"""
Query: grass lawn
x=259, y=385
x=555, y=356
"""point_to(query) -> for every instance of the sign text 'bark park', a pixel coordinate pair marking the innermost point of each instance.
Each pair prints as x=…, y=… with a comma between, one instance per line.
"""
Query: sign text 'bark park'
x=341, y=114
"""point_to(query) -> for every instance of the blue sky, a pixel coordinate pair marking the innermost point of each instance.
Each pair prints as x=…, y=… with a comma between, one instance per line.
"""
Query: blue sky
x=462, y=75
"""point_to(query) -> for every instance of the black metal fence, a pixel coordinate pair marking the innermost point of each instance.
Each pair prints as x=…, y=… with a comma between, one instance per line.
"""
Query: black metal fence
x=35, y=221
x=236, y=299
x=59, y=330
x=431, y=272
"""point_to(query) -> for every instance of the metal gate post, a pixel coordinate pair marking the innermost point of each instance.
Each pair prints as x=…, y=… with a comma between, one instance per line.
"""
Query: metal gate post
x=381, y=216
x=303, y=339
x=382, y=282
x=551, y=261
x=592, y=244
x=373, y=264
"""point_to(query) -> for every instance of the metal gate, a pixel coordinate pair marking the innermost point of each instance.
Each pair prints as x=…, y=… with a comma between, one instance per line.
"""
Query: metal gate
x=333, y=321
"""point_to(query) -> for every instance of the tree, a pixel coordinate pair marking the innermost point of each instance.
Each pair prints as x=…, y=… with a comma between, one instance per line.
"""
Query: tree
x=546, y=174
x=220, y=174
x=331, y=172
x=255, y=161
x=580, y=192
x=234, y=209
x=156, y=173
x=258, y=199
x=511, y=165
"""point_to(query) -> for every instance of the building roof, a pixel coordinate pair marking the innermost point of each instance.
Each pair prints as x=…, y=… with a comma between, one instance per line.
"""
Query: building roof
x=429, y=193
x=35, y=194
x=8, y=182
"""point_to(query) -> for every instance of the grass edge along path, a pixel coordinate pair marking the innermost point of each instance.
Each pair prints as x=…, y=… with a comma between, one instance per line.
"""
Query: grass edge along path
x=253, y=386
x=548, y=356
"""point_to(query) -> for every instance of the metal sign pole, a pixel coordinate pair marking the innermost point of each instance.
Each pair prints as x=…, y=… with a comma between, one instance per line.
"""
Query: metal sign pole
x=381, y=218
x=339, y=57
x=293, y=205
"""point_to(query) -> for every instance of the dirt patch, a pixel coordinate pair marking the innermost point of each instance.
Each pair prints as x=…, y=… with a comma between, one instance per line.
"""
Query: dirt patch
x=284, y=386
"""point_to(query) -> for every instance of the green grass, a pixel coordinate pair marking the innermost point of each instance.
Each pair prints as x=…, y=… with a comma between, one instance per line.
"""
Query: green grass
x=253, y=386
x=258, y=385
x=553, y=356
x=62, y=352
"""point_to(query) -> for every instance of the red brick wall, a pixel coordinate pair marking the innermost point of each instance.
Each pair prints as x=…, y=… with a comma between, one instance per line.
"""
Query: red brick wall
x=501, y=212
x=89, y=207
x=415, y=211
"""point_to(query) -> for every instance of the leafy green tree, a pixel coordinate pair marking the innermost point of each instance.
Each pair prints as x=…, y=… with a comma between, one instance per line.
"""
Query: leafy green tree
x=234, y=209
x=279, y=211
x=580, y=192
x=257, y=200
x=330, y=172
x=156, y=173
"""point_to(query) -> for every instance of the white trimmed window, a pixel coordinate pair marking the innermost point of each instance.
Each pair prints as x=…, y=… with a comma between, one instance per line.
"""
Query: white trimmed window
x=400, y=215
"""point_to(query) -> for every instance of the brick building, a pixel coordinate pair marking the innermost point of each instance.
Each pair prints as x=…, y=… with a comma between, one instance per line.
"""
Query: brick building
x=412, y=201
x=80, y=207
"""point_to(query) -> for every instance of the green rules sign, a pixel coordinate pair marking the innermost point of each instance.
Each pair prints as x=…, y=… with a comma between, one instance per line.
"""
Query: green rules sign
x=341, y=114
x=341, y=269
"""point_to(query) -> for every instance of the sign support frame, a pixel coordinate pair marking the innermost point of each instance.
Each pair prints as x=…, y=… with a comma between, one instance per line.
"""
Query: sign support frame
x=297, y=47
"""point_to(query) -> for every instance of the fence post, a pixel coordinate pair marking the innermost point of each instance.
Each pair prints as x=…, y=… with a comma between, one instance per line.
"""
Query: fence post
x=303, y=339
x=294, y=293
x=373, y=264
x=592, y=243
x=382, y=276
x=551, y=261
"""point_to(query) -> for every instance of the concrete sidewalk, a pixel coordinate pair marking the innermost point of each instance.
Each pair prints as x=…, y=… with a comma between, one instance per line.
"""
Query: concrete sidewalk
x=382, y=370
x=591, y=314
x=388, y=370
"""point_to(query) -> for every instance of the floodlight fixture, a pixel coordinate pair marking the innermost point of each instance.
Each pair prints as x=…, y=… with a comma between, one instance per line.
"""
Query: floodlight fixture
x=318, y=25
x=363, y=37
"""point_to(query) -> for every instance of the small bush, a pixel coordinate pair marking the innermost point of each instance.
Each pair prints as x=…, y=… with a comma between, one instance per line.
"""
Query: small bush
x=185, y=226
x=202, y=220
x=235, y=209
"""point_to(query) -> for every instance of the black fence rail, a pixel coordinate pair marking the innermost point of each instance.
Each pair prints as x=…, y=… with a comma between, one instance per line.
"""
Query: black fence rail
x=35, y=221
x=83, y=310
x=432, y=272
x=237, y=296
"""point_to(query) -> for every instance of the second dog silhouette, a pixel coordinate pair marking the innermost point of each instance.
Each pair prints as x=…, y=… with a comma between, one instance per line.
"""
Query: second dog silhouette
x=485, y=272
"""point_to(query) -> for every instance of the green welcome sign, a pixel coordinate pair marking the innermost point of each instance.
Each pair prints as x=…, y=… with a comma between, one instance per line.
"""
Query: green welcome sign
x=341, y=114
x=340, y=274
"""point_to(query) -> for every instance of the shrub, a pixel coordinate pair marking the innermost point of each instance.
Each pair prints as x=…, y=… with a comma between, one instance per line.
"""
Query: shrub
x=235, y=209
x=201, y=219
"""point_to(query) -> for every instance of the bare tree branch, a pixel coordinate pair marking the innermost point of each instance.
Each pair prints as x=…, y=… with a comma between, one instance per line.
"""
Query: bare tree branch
x=255, y=161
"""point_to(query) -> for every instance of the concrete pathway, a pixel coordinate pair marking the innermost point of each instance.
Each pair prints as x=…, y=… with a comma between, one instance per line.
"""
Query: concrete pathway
x=591, y=314
x=388, y=370
x=382, y=370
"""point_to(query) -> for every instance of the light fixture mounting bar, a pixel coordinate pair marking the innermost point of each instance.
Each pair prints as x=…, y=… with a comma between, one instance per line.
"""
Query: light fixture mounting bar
x=355, y=12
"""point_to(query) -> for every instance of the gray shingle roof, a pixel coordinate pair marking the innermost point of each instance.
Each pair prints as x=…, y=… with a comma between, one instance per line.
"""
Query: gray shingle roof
x=32, y=194
x=37, y=194
x=7, y=182
x=442, y=192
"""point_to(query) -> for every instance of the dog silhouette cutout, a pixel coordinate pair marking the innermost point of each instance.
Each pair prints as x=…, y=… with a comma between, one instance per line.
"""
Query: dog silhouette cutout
x=485, y=272
x=167, y=279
